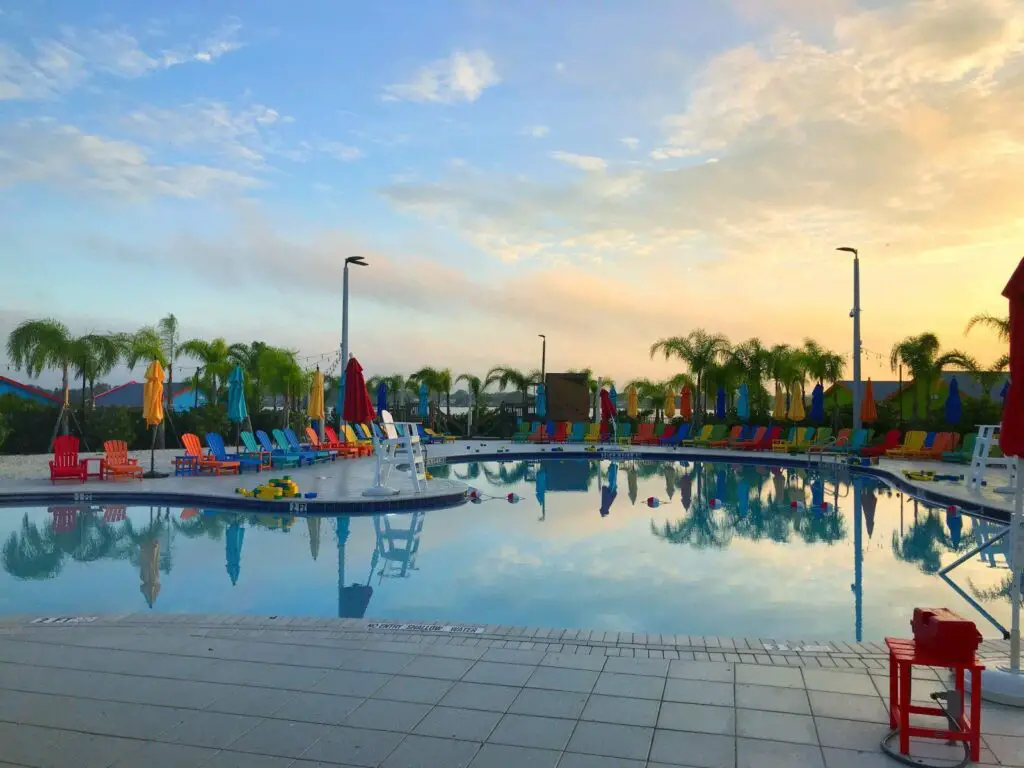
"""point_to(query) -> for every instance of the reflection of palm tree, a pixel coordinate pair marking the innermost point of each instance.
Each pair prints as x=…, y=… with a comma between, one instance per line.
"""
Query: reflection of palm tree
x=1002, y=592
x=205, y=524
x=472, y=471
x=31, y=553
x=702, y=528
x=922, y=543
x=509, y=473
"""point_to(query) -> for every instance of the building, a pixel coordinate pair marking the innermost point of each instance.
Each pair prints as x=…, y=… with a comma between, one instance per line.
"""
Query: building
x=27, y=392
x=129, y=395
x=888, y=390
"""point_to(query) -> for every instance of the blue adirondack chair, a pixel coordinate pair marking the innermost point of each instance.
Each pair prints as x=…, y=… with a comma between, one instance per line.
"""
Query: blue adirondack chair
x=245, y=461
x=321, y=454
x=281, y=441
x=279, y=457
x=681, y=433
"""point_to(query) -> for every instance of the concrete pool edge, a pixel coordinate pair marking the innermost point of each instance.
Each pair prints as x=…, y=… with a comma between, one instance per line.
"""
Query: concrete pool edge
x=832, y=654
x=454, y=492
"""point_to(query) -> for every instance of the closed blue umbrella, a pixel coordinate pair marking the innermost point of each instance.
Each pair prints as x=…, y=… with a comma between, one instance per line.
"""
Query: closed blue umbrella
x=233, y=539
x=615, y=398
x=954, y=407
x=1003, y=392
x=611, y=490
x=382, y=397
x=542, y=401
x=542, y=485
x=237, y=412
x=424, y=403
x=743, y=402
x=720, y=404
x=817, y=403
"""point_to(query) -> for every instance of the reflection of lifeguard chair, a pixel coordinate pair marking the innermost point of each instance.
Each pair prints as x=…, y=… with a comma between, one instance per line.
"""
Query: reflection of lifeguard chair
x=398, y=546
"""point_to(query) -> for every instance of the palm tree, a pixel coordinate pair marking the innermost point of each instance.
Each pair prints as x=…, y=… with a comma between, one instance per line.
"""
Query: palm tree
x=507, y=377
x=39, y=345
x=95, y=355
x=987, y=378
x=823, y=366
x=475, y=386
x=1001, y=325
x=921, y=356
x=753, y=359
x=699, y=350
x=215, y=361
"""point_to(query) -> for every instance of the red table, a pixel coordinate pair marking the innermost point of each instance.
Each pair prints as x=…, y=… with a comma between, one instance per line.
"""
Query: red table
x=903, y=655
x=102, y=466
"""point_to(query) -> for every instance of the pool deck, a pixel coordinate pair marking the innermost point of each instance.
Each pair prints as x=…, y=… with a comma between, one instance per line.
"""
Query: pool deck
x=339, y=485
x=216, y=691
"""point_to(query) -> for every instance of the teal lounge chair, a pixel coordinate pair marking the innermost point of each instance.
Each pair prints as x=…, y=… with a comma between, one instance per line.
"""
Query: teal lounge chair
x=965, y=453
x=578, y=432
x=320, y=454
x=281, y=441
x=254, y=450
x=278, y=456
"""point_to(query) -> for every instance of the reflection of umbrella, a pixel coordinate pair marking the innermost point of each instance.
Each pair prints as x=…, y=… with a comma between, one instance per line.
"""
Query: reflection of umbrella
x=382, y=397
x=610, y=491
x=686, y=404
x=686, y=491
x=670, y=404
x=542, y=401
x=868, y=411
x=316, y=410
x=149, y=570
x=742, y=497
x=743, y=402
x=817, y=403
x=720, y=403
x=541, y=485
x=424, y=402
x=313, y=523
x=357, y=409
x=153, y=408
x=780, y=403
x=237, y=411
x=233, y=539
x=632, y=403
x=796, y=405
x=721, y=489
x=954, y=408
x=670, y=480
x=631, y=478
x=869, y=501
x=955, y=523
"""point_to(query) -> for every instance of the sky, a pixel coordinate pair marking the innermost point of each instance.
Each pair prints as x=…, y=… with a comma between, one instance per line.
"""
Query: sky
x=604, y=174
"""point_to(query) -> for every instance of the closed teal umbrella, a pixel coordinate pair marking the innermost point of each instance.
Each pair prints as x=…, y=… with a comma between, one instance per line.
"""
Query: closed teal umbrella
x=237, y=411
x=743, y=402
x=424, y=403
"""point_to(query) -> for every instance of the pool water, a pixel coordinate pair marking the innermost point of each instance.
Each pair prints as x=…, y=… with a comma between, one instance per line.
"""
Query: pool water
x=735, y=550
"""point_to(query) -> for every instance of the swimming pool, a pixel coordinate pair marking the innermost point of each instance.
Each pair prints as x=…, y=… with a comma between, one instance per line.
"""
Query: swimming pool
x=734, y=550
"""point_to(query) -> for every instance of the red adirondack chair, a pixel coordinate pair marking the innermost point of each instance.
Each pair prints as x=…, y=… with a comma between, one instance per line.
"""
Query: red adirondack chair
x=891, y=440
x=65, y=464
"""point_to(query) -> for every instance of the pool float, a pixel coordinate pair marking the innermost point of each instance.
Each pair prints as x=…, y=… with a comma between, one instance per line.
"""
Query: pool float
x=927, y=476
x=283, y=488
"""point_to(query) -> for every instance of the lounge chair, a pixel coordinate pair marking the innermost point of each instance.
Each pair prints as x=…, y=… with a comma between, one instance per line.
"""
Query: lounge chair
x=623, y=433
x=207, y=462
x=718, y=432
x=859, y=439
x=754, y=439
x=822, y=436
x=284, y=444
x=254, y=451
x=704, y=436
x=666, y=435
x=320, y=454
x=444, y=438
x=822, y=444
x=783, y=444
x=279, y=456
x=913, y=441
x=331, y=437
x=117, y=464
x=593, y=433
x=804, y=440
x=888, y=443
x=577, y=433
x=364, y=446
x=341, y=449
x=766, y=442
x=682, y=432
x=216, y=445
x=734, y=436
x=965, y=453
x=644, y=434
x=65, y=464
x=944, y=441
x=561, y=433
x=539, y=435
x=519, y=436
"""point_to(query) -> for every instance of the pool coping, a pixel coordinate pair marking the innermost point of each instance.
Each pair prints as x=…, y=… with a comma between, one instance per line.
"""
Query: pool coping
x=459, y=494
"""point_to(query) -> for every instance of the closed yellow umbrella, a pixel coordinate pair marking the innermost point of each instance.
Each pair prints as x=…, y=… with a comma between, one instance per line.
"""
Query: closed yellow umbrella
x=796, y=405
x=780, y=403
x=316, y=401
x=670, y=404
x=632, y=402
x=153, y=394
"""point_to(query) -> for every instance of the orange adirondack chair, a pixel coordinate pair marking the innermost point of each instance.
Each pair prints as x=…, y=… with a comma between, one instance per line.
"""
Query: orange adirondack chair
x=644, y=434
x=326, y=445
x=540, y=435
x=944, y=441
x=206, y=462
x=117, y=464
x=65, y=464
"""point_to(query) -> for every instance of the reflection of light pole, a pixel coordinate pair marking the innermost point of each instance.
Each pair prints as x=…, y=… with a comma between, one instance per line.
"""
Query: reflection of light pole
x=358, y=261
x=855, y=314
x=858, y=563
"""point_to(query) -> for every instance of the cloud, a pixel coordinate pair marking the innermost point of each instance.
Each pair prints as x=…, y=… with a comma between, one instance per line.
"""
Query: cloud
x=45, y=151
x=583, y=162
x=340, y=151
x=537, y=131
x=55, y=65
x=630, y=142
x=463, y=76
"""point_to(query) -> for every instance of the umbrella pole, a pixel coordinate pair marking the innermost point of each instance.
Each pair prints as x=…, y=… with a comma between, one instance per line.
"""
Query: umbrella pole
x=152, y=459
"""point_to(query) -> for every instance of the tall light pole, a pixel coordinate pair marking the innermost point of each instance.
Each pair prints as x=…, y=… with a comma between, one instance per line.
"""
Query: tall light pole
x=855, y=314
x=360, y=262
x=543, y=356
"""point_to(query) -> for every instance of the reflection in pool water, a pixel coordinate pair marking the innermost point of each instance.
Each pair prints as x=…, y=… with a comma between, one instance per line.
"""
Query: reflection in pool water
x=739, y=550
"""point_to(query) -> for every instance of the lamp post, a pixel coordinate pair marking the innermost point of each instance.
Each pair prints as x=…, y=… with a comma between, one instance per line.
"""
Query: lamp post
x=361, y=262
x=855, y=314
x=543, y=356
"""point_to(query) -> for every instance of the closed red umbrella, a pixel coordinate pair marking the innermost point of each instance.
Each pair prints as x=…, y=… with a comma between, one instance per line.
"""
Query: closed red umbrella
x=607, y=408
x=686, y=404
x=358, y=408
x=1011, y=435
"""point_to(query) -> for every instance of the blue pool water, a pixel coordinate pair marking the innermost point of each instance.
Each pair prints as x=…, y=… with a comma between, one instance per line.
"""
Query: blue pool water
x=726, y=552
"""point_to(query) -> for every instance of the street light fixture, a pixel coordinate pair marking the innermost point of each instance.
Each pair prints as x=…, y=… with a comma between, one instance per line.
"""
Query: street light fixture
x=855, y=314
x=359, y=261
x=543, y=356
